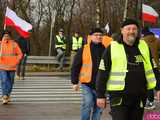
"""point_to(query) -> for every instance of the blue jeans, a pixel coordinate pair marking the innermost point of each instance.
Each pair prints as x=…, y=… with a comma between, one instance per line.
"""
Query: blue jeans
x=89, y=106
x=60, y=57
x=7, y=80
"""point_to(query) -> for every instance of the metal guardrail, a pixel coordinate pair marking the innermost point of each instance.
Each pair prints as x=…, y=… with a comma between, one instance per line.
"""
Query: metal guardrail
x=45, y=60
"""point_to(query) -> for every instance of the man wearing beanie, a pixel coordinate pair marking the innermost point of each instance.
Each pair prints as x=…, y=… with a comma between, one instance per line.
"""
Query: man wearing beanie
x=84, y=70
x=126, y=73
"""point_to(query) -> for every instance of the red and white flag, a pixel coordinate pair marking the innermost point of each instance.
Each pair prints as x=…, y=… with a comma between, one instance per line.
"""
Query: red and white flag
x=149, y=14
x=22, y=27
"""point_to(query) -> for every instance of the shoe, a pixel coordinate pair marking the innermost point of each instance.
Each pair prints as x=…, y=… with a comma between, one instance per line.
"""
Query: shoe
x=59, y=68
x=9, y=99
x=21, y=78
x=150, y=106
x=5, y=99
x=17, y=77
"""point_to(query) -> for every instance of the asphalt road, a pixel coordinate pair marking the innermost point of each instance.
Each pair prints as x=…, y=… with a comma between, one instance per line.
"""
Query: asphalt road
x=55, y=111
x=42, y=112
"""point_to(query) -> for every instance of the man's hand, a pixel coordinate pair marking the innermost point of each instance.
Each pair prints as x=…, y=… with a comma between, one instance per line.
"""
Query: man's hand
x=158, y=95
x=75, y=87
x=101, y=102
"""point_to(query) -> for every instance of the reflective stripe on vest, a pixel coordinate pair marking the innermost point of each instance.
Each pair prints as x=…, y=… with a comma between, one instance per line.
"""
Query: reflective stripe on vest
x=6, y=54
x=151, y=80
x=85, y=75
x=76, y=43
x=119, y=67
x=7, y=66
x=86, y=69
x=62, y=45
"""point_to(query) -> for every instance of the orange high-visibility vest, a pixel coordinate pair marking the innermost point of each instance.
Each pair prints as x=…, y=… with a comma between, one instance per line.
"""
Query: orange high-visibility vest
x=106, y=40
x=86, y=69
x=10, y=55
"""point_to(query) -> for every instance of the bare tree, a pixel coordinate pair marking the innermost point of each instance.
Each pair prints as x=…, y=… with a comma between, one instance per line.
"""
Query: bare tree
x=71, y=15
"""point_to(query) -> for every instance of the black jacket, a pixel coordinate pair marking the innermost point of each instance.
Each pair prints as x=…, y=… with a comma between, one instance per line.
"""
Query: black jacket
x=24, y=45
x=135, y=81
x=96, y=52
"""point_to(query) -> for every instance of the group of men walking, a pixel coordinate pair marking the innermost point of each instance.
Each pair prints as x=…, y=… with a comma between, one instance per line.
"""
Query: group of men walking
x=124, y=69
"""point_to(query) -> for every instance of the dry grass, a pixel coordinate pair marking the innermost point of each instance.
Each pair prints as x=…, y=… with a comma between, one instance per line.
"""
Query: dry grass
x=44, y=68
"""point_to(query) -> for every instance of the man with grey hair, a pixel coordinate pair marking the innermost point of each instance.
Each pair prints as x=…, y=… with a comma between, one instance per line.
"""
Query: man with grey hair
x=126, y=73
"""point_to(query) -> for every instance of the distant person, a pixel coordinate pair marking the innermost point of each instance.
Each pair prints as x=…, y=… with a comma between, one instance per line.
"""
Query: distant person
x=77, y=42
x=60, y=45
x=25, y=48
x=153, y=44
x=84, y=71
x=10, y=56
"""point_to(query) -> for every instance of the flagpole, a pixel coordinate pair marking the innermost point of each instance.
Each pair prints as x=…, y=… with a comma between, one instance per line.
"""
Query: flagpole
x=125, y=10
x=141, y=10
x=5, y=21
x=4, y=26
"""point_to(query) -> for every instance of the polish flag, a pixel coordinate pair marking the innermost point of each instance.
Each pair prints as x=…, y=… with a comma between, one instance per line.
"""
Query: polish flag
x=22, y=27
x=149, y=14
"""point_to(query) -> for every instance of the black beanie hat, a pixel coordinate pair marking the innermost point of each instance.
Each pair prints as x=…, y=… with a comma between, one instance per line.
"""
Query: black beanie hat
x=61, y=30
x=96, y=30
x=129, y=21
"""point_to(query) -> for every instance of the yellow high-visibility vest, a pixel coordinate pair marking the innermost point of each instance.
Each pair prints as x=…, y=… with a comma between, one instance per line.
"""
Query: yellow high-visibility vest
x=62, y=45
x=118, y=72
x=76, y=43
